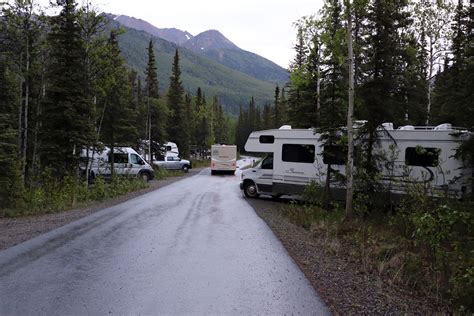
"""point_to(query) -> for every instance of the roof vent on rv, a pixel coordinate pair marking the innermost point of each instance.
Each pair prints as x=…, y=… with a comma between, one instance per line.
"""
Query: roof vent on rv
x=444, y=127
x=388, y=126
x=285, y=127
x=407, y=128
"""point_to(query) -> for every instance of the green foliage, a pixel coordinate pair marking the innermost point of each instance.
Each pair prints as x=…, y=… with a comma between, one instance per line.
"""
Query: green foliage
x=441, y=233
x=67, y=107
x=51, y=195
x=425, y=244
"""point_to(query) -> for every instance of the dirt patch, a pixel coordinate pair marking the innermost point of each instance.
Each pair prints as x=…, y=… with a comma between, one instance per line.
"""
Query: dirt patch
x=337, y=276
x=17, y=230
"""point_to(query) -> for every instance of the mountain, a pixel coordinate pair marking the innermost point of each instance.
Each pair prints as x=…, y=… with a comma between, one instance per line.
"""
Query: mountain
x=233, y=88
x=217, y=47
x=209, y=40
x=170, y=34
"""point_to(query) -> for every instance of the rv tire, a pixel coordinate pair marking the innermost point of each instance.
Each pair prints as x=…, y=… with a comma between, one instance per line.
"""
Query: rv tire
x=185, y=169
x=250, y=190
x=145, y=176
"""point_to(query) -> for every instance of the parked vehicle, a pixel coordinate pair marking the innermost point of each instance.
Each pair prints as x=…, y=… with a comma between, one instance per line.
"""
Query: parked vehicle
x=173, y=163
x=223, y=159
x=126, y=162
x=159, y=151
x=417, y=155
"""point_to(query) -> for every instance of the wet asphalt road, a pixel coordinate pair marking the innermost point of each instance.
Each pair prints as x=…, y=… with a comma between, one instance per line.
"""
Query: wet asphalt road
x=193, y=247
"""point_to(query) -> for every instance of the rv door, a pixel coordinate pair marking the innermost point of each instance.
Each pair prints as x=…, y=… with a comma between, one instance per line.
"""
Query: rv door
x=264, y=176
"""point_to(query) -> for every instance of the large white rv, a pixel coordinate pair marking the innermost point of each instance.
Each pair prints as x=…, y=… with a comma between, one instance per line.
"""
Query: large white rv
x=417, y=154
x=223, y=159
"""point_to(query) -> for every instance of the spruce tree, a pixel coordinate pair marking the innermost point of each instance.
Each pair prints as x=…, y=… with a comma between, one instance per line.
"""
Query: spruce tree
x=178, y=125
x=67, y=127
x=152, y=94
x=119, y=114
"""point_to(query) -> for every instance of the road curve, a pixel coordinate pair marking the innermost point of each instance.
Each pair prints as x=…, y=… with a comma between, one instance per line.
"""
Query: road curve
x=193, y=247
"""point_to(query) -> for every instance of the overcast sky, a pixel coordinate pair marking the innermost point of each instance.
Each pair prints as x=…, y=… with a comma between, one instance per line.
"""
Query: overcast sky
x=264, y=27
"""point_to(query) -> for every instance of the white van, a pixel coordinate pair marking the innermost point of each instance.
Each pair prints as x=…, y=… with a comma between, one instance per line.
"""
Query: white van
x=223, y=159
x=297, y=156
x=126, y=162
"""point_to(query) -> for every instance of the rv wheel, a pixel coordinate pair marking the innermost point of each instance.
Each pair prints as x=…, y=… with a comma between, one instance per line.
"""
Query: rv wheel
x=185, y=169
x=250, y=190
x=145, y=176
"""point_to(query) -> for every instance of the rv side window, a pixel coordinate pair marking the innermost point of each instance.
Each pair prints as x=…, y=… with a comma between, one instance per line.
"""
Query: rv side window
x=422, y=156
x=298, y=153
x=119, y=158
x=267, y=163
x=334, y=155
x=267, y=139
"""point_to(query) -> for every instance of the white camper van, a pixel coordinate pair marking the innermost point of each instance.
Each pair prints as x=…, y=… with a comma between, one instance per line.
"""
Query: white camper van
x=126, y=162
x=223, y=159
x=297, y=156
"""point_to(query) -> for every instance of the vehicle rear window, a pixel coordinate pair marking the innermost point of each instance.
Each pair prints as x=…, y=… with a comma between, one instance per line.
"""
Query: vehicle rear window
x=422, y=156
x=298, y=153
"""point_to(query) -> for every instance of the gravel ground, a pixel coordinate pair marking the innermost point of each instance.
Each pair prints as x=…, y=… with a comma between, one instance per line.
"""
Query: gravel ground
x=337, y=277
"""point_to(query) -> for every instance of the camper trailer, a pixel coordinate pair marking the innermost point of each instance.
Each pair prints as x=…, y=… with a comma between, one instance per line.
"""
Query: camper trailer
x=295, y=157
x=223, y=159
x=127, y=162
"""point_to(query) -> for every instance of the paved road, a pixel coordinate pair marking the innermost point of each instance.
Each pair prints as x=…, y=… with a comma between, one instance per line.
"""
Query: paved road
x=193, y=247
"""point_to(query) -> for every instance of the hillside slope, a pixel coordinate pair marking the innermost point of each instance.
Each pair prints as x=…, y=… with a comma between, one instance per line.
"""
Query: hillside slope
x=216, y=47
x=233, y=88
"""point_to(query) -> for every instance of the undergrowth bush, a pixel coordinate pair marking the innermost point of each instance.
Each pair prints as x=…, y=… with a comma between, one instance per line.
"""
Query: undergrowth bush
x=50, y=195
x=426, y=244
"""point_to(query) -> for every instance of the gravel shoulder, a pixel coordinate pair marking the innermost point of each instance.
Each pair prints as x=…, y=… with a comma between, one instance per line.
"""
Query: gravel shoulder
x=337, y=276
x=17, y=230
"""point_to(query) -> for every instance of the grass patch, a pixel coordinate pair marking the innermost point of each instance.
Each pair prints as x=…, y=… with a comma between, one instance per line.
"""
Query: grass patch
x=51, y=195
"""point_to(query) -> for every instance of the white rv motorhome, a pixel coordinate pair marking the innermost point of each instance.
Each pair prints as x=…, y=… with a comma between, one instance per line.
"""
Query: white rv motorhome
x=126, y=162
x=160, y=151
x=223, y=159
x=297, y=156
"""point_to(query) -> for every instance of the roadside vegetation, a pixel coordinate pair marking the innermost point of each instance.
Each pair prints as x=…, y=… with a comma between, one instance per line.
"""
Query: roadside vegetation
x=423, y=244
x=50, y=195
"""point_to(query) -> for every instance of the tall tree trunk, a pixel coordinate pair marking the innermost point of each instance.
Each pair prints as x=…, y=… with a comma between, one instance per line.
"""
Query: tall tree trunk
x=150, y=157
x=25, y=112
x=350, y=113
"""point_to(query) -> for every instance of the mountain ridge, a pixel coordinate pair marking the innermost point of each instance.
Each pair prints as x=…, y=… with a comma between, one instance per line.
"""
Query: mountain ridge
x=214, y=45
x=233, y=88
